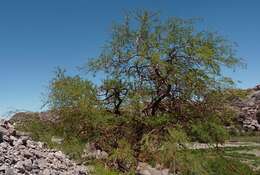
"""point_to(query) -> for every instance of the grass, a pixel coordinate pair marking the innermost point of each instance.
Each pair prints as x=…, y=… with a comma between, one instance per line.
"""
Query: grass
x=220, y=163
x=246, y=155
x=72, y=145
x=247, y=138
x=100, y=169
x=249, y=155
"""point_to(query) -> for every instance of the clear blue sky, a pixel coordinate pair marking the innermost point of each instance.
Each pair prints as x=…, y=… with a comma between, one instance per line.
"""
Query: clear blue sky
x=37, y=36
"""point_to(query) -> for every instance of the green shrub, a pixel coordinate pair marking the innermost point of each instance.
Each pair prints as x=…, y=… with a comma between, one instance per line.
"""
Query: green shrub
x=71, y=92
x=122, y=157
x=209, y=132
x=224, y=166
x=99, y=169
x=44, y=131
x=172, y=148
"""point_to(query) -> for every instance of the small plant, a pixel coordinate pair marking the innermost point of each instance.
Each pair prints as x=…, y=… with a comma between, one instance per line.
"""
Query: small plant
x=100, y=169
x=172, y=148
x=122, y=157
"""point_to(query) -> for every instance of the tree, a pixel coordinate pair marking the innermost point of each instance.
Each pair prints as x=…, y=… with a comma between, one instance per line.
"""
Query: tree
x=113, y=92
x=170, y=60
x=71, y=92
x=74, y=100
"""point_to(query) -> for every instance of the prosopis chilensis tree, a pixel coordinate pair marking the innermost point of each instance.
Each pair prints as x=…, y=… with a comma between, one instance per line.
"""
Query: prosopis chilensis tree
x=171, y=61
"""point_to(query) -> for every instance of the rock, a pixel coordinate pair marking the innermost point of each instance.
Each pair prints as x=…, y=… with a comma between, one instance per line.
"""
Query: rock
x=19, y=167
x=3, y=168
x=57, y=140
x=20, y=155
x=257, y=88
x=1, y=137
x=28, y=164
x=249, y=112
x=42, y=163
x=27, y=154
x=256, y=96
x=146, y=169
x=9, y=171
x=91, y=152
x=20, y=134
x=3, y=131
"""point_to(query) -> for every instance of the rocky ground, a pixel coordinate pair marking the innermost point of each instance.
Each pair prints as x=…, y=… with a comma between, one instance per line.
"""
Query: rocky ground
x=249, y=109
x=19, y=155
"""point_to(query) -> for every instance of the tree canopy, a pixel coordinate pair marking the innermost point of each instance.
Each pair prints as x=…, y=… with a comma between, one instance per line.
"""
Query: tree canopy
x=168, y=62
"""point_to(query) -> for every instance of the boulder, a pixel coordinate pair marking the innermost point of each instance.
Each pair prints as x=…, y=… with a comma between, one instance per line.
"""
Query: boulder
x=21, y=155
x=91, y=152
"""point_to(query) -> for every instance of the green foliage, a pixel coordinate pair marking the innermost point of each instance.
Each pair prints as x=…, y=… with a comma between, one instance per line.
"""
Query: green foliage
x=214, y=163
x=44, y=131
x=173, y=147
x=71, y=92
x=235, y=94
x=225, y=166
x=75, y=101
x=114, y=92
x=157, y=121
x=99, y=169
x=122, y=157
x=209, y=132
x=170, y=60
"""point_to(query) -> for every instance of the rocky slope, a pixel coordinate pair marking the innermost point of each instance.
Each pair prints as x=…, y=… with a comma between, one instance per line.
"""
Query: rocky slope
x=19, y=155
x=249, y=109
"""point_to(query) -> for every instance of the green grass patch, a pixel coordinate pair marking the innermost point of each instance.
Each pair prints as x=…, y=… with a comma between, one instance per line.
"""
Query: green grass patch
x=43, y=131
x=100, y=169
x=247, y=138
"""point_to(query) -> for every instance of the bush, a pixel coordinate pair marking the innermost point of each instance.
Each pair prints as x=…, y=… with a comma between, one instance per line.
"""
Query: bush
x=100, y=169
x=71, y=92
x=122, y=157
x=210, y=131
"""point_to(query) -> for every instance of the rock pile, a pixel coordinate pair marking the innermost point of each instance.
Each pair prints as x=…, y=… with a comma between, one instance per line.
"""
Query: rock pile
x=249, y=110
x=21, y=156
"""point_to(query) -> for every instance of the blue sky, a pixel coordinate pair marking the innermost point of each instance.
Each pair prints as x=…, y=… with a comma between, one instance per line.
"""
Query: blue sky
x=37, y=36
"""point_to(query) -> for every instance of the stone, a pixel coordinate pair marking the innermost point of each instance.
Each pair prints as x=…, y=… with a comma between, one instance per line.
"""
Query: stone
x=3, y=168
x=146, y=169
x=28, y=164
x=1, y=137
x=3, y=131
x=248, y=114
x=27, y=154
x=21, y=155
x=19, y=166
x=257, y=88
x=9, y=171
x=57, y=140
x=91, y=152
